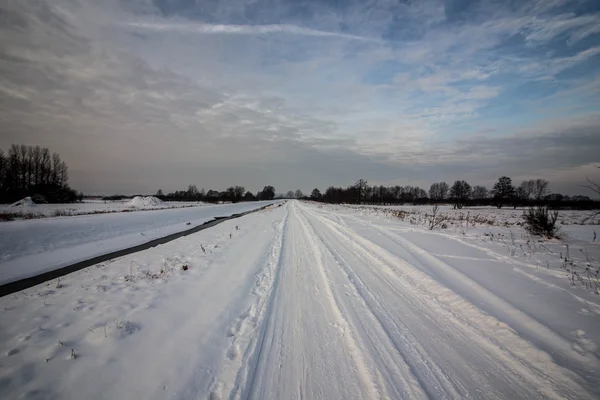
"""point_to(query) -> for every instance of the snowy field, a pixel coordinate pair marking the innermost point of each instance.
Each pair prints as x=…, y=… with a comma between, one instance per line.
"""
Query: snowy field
x=314, y=301
x=27, y=209
x=31, y=247
x=507, y=216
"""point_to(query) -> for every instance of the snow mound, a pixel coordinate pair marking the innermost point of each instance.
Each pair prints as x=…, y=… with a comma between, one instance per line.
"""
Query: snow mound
x=145, y=202
x=26, y=202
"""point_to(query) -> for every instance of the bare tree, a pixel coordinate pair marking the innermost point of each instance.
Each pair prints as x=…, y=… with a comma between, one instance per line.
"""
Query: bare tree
x=527, y=188
x=434, y=191
x=45, y=167
x=398, y=190
x=12, y=160
x=37, y=165
x=55, y=169
x=503, y=191
x=460, y=193
x=521, y=194
x=541, y=188
x=29, y=170
x=239, y=192
x=444, y=189
x=438, y=191
x=595, y=187
x=22, y=173
x=480, y=192
x=316, y=194
x=372, y=194
x=299, y=194
x=30, y=167
x=236, y=193
x=63, y=174
x=289, y=194
x=192, y=191
x=361, y=187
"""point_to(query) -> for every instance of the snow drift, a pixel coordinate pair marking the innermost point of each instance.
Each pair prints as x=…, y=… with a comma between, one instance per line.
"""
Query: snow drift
x=26, y=202
x=145, y=202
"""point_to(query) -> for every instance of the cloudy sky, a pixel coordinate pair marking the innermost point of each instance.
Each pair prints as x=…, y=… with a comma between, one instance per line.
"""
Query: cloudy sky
x=138, y=95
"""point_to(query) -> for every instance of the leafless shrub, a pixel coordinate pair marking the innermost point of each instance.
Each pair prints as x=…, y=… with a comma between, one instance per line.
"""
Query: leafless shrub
x=119, y=324
x=5, y=216
x=11, y=216
x=541, y=221
x=435, y=218
x=595, y=187
x=512, y=249
x=130, y=277
x=585, y=275
x=400, y=214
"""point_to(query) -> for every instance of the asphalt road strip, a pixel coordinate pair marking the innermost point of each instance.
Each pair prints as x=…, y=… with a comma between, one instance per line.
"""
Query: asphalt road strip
x=26, y=283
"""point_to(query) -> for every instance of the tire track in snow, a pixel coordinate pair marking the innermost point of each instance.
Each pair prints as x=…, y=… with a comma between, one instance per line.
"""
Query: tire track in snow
x=557, y=346
x=304, y=348
x=462, y=322
x=248, y=331
x=432, y=380
x=244, y=389
x=383, y=367
x=521, y=266
x=368, y=377
x=518, y=265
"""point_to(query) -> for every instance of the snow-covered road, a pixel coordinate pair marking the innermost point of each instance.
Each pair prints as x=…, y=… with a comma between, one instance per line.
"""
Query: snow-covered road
x=298, y=302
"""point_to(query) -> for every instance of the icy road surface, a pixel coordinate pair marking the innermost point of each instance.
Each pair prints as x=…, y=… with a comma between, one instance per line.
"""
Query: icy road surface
x=299, y=302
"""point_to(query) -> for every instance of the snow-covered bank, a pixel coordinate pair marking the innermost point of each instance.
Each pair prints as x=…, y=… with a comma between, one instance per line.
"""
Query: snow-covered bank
x=27, y=209
x=32, y=247
x=304, y=301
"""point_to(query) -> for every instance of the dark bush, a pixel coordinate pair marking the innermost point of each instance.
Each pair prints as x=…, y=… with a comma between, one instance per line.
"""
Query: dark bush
x=541, y=221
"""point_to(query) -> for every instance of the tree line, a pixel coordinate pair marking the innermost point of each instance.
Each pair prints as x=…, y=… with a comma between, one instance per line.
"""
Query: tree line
x=34, y=171
x=460, y=194
x=232, y=194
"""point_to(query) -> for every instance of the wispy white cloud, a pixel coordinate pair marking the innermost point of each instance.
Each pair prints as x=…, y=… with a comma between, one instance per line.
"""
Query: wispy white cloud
x=543, y=30
x=222, y=29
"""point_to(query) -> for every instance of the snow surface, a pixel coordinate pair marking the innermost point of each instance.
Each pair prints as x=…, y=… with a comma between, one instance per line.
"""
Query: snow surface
x=28, y=209
x=31, y=247
x=306, y=301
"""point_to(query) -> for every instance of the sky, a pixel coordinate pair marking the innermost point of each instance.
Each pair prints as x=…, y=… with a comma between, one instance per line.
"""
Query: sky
x=141, y=95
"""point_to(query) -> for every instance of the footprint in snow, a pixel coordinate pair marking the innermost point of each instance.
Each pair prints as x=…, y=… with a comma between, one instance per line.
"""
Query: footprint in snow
x=12, y=352
x=233, y=352
x=217, y=392
x=582, y=344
